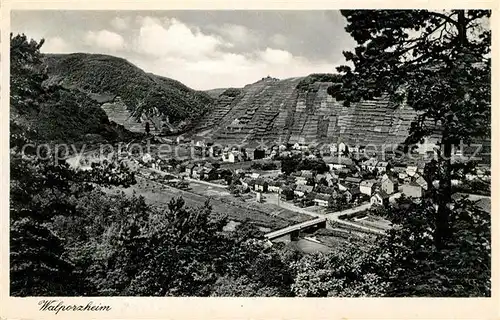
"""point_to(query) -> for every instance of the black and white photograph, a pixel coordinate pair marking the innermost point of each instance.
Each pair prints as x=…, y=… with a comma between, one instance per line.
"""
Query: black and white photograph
x=249, y=153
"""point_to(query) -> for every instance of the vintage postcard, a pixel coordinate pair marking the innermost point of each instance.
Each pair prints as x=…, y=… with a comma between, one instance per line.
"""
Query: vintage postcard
x=226, y=160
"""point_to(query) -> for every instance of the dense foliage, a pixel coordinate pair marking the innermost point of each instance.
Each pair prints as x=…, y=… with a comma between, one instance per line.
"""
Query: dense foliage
x=438, y=62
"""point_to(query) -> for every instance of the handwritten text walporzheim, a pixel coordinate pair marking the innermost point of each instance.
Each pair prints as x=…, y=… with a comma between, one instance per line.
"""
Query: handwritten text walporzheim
x=58, y=305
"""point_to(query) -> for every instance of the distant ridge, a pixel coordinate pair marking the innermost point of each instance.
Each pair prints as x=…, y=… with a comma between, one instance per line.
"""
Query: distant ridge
x=300, y=109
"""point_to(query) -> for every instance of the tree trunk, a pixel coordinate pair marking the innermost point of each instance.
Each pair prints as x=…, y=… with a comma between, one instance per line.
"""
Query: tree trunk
x=444, y=194
x=462, y=28
x=443, y=232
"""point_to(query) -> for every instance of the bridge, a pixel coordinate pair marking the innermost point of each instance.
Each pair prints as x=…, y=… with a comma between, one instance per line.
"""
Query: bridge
x=290, y=232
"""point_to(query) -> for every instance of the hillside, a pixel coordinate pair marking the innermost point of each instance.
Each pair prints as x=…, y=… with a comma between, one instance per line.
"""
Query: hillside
x=300, y=109
x=215, y=93
x=107, y=78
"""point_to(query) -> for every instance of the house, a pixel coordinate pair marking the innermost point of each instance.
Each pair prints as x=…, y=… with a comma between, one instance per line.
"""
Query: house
x=367, y=187
x=322, y=199
x=210, y=174
x=302, y=190
x=338, y=162
x=389, y=185
x=382, y=166
x=343, y=148
x=248, y=182
x=261, y=185
x=411, y=170
x=198, y=141
x=412, y=189
x=253, y=175
x=274, y=186
x=301, y=180
x=379, y=198
x=342, y=186
x=306, y=174
x=352, y=181
x=303, y=176
x=400, y=171
x=352, y=194
x=420, y=167
x=228, y=155
x=328, y=177
x=369, y=165
x=286, y=194
x=333, y=148
x=326, y=190
x=421, y=182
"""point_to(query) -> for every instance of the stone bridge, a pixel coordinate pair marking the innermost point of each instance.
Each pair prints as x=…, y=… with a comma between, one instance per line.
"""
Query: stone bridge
x=292, y=232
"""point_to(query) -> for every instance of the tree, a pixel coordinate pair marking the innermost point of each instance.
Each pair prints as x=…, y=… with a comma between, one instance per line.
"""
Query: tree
x=147, y=128
x=346, y=273
x=414, y=266
x=42, y=187
x=289, y=165
x=439, y=63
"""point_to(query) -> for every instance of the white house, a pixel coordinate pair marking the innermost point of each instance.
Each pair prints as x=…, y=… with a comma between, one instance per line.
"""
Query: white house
x=412, y=190
x=302, y=189
x=322, y=200
x=388, y=185
x=333, y=148
x=379, y=198
x=274, y=186
x=411, y=170
x=421, y=182
x=366, y=187
x=343, y=147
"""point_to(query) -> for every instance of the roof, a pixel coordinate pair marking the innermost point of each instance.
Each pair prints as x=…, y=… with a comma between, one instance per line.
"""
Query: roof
x=338, y=160
x=368, y=182
x=306, y=173
x=353, y=179
x=248, y=180
x=260, y=181
x=390, y=178
x=304, y=188
x=400, y=169
x=322, y=196
x=354, y=190
x=382, y=194
x=370, y=162
x=326, y=190
x=413, y=184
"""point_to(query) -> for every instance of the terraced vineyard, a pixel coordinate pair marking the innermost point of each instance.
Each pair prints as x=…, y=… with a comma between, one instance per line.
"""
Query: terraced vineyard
x=281, y=110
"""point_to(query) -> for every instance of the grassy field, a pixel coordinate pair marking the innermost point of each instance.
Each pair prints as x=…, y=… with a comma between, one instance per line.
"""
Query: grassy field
x=221, y=201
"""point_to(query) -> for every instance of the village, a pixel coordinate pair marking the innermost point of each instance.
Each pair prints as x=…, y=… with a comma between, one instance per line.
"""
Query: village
x=335, y=181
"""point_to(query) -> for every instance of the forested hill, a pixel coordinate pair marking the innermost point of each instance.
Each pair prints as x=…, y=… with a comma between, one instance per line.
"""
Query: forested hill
x=106, y=78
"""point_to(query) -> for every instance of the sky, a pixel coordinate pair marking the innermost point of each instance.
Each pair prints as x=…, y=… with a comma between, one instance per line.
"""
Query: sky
x=202, y=49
